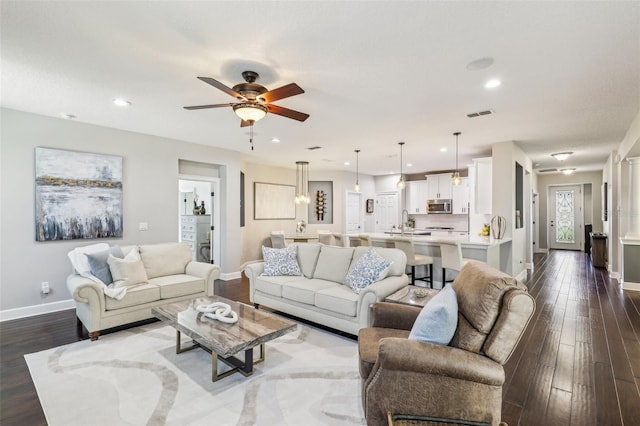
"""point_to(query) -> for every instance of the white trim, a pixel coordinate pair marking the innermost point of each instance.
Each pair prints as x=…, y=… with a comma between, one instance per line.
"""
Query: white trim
x=522, y=275
x=631, y=286
x=541, y=250
x=529, y=266
x=30, y=311
x=231, y=276
x=615, y=275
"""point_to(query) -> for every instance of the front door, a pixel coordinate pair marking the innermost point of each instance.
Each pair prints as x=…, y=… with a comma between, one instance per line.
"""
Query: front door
x=386, y=211
x=565, y=217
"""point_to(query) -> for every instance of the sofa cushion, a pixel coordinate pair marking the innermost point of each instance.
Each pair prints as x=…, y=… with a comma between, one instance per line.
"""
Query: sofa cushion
x=272, y=285
x=333, y=263
x=438, y=320
x=178, y=285
x=368, y=269
x=396, y=256
x=304, y=290
x=165, y=259
x=339, y=299
x=136, y=295
x=279, y=262
x=100, y=267
x=308, y=257
x=127, y=271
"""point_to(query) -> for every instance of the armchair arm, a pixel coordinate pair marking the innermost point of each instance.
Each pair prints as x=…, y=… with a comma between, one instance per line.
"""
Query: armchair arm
x=394, y=315
x=207, y=271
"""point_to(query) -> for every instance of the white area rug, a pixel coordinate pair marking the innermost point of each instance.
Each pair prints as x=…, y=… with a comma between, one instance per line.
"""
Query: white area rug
x=134, y=377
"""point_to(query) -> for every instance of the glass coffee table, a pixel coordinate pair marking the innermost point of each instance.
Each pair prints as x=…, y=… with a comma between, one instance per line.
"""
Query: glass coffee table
x=224, y=341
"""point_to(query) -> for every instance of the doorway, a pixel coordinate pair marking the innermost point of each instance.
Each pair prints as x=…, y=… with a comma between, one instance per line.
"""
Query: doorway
x=386, y=211
x=565, y=217
x=354, y=213
x=200, y=231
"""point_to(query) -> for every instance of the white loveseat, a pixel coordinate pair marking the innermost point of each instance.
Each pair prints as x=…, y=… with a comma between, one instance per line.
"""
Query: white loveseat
x=319, y=295
x=172, y=276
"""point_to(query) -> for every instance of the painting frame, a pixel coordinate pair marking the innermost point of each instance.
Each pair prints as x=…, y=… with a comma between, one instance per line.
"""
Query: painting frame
x=369, y=207
x=78, y=195
x=273, y=201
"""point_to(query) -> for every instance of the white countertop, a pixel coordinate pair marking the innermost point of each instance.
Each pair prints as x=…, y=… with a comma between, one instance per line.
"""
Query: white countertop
x=465, y=240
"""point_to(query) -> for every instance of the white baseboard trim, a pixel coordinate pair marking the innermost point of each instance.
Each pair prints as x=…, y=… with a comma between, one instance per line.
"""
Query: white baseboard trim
x=522, y=275
x=631, y=286
x=30, y=311
x=541, y=251
x=231, y=276
x=615, y=275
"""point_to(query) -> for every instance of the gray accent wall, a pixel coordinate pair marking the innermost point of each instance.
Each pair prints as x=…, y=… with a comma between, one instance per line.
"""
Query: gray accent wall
x=150, y=185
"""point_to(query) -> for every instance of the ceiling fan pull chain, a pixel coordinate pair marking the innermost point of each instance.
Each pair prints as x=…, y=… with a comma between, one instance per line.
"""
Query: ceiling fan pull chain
x=251, y=136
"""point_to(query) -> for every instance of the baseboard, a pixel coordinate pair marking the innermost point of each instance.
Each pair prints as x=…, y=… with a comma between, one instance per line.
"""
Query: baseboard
x=631, y=286
x=30, y=311
x=231, y=276
x=615, y=275
x=541, y=251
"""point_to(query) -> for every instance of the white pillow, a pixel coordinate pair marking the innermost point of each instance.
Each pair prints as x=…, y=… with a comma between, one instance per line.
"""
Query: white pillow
x=126, y=272
x=80, y=262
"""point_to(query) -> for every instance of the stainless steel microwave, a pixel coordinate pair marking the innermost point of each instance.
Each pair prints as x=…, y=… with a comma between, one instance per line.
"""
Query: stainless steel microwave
x=441, y=206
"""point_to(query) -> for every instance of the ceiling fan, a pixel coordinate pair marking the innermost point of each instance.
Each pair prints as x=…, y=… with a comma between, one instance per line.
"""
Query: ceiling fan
x=254, y=100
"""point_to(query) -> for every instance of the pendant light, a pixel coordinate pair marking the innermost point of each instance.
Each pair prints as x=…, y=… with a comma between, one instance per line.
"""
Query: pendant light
x=401, y=182
x=357, y=187
x=455, y=178
x=302, y=182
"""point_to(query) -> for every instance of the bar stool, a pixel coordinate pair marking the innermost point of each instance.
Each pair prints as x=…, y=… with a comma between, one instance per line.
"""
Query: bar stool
x=277, y=239
x=325, y=238
x=365, y=240
x=406, y=245
x=451, y=254
x=339, y=239
x=354, y=241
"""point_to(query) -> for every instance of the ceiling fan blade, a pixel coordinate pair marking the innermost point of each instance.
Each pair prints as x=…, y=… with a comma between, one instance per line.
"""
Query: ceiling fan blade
x=244, y=123
x=286, y=112
x=282, y=92
x=207, y=106
x=224, y=88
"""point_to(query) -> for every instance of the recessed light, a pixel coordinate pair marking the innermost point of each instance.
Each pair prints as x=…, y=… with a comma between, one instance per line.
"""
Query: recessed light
x=480, y=64
x=568, y=171
x=121, y=102
x=346, y=163
x=275, y=140
x=443, y=149
x=409, y=164
x=67, y=116
x=562, y=155
x=492, y=84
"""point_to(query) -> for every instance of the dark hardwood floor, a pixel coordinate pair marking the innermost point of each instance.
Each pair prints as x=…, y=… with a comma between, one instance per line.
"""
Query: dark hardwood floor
x=578, y=362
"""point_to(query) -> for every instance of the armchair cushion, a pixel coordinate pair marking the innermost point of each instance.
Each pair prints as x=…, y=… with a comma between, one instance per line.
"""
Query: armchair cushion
x=281, y=262
x=438, y=320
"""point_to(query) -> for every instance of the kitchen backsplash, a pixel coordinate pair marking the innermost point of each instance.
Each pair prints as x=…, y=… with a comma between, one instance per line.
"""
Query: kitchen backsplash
x=456, y=221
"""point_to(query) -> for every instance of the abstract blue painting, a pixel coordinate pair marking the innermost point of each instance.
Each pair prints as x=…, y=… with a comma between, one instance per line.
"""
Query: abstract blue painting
x=78, y=195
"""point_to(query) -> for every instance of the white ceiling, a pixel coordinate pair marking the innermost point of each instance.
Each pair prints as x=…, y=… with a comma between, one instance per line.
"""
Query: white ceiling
x=375, y=73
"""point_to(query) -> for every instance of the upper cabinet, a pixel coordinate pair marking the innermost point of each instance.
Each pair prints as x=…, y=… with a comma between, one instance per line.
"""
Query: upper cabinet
x=439, y=186
x=482, y=185
x=417, y=197
x=460, y=197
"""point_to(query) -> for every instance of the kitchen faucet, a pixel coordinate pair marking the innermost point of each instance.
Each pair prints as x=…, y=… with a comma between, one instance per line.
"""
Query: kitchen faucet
x=402, y=226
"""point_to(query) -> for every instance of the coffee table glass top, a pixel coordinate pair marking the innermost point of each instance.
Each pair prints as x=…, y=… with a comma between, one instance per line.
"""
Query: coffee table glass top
x=253, y=328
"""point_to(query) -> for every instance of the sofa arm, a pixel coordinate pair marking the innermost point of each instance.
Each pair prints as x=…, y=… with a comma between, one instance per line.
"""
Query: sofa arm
x=86, y=291
x=208, y=271
x=377, y=292
x=394, y=315
x=252, y=271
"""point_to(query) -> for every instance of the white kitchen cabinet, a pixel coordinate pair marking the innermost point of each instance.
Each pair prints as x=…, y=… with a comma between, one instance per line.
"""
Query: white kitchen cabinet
x=482, y=185
x=194, y=232
x=417, y=197
x=439, y=186
x=460, y=197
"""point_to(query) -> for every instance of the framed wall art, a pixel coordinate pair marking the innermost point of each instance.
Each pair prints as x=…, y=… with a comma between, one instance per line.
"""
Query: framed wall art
x=369, y=205
x=321, y=204
x=273, y=201
x=78, y=195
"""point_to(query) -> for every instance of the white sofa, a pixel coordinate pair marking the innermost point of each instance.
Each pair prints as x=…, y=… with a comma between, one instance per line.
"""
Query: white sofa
x=319, y=295
x=172, y=276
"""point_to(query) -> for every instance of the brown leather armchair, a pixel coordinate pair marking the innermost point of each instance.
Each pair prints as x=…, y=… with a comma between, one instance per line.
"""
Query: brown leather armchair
x=459, y=383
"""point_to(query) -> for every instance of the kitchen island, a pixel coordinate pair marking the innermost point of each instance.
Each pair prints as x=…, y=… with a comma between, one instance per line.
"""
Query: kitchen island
x=496, y=253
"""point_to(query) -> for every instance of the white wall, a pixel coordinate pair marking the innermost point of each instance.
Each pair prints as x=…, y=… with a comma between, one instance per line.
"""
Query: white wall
x=150, y=186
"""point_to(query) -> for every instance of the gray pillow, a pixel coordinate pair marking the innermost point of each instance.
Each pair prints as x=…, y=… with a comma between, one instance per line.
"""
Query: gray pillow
x=99, y=266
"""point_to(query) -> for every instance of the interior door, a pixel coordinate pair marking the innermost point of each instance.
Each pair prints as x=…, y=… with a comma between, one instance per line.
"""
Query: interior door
x=386, y=211
x=354, y=216
x=565, y=217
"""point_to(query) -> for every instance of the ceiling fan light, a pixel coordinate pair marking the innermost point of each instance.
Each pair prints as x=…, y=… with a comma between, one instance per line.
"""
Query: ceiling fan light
x=561, y=156
x=250, y=112
x=568, y=171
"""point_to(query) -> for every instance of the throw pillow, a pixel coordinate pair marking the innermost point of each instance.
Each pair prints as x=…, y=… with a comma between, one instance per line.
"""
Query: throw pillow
x=78, y=258
x=368, y=269
x=438, y=320
x=280, y=261
x=100, y=267
x=126, y=272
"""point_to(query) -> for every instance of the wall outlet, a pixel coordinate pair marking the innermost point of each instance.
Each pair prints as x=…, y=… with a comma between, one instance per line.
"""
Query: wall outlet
x=45, y=287
x=143, y=226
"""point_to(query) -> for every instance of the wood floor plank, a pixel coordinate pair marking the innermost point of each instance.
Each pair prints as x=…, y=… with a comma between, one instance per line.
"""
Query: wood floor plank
x=563, y=374
x=559, y=408
x=583, y=405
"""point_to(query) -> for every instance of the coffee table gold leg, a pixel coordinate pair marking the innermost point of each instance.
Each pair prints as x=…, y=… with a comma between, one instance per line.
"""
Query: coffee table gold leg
x=262, y=354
